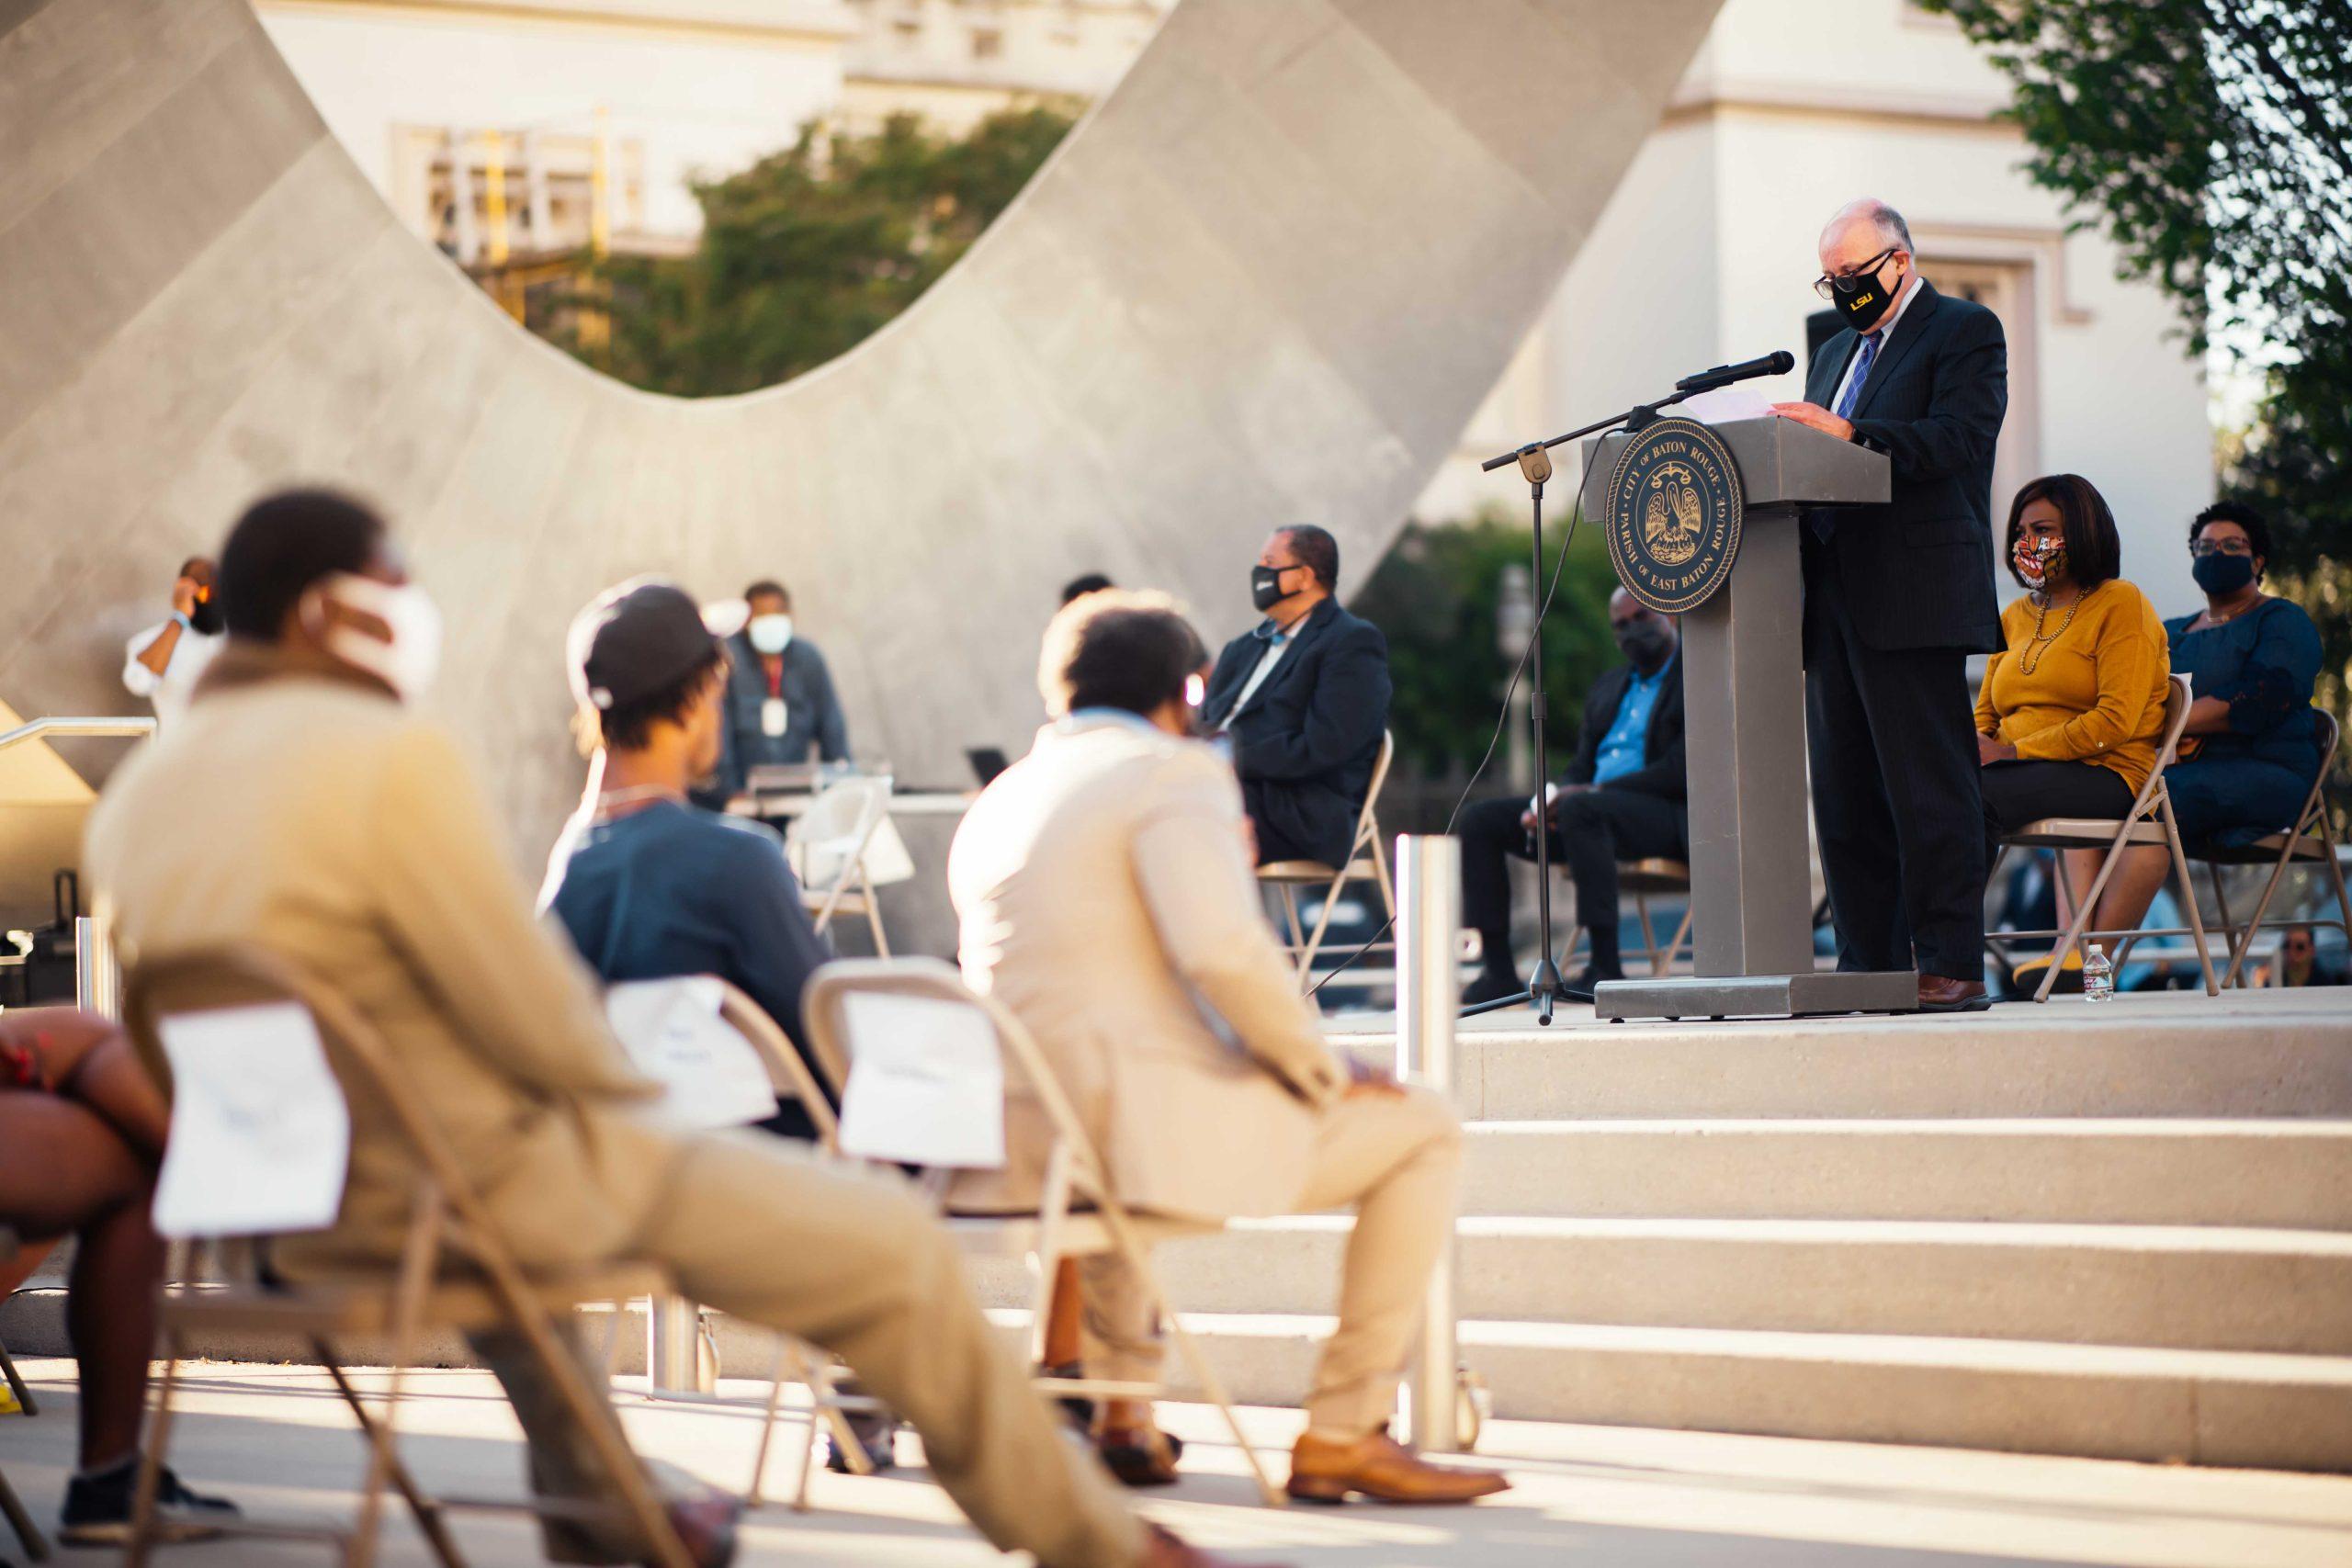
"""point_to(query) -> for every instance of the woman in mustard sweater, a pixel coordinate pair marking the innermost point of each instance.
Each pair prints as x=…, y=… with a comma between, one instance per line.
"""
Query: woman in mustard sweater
x=2073, y=706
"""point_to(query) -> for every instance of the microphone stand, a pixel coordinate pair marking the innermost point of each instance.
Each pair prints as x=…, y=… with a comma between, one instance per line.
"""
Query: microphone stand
x=1545, y=990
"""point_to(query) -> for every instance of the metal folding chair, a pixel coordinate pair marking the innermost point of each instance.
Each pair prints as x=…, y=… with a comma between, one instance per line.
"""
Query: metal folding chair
x=828, y=845
x=2308, y=840
x=1644, y=877
x=1367, y=862
x=789, y=1077
x=448, y=1217
x=2149, y=822
x=36, y=1545
x=1078, y=1213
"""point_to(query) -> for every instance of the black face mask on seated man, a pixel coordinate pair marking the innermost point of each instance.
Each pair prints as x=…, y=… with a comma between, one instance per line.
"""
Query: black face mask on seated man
x=1266, y=586
x=1646, y=643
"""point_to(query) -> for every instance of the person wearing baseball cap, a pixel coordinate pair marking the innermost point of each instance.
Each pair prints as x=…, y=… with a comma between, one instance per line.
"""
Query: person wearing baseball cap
x=649, y=886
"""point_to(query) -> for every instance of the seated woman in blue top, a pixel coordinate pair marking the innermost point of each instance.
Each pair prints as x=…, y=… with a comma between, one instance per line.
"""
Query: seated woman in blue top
x=648, y=886
x=2253, y=659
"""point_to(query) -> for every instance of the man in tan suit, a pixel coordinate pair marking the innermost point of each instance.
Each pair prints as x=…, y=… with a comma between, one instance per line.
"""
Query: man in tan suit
x=302, y=810
x=1105, y=888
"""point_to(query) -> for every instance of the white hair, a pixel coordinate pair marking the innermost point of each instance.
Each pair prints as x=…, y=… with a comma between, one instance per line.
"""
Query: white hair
x=1889, y=222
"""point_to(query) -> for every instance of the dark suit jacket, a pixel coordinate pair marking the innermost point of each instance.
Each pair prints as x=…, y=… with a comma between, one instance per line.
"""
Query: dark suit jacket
x=1917, y=572
x=1662, y=750
x=1306, y=745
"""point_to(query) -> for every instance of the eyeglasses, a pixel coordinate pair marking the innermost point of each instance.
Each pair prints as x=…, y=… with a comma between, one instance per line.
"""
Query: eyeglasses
x=2204, y=547
x=1828, y=285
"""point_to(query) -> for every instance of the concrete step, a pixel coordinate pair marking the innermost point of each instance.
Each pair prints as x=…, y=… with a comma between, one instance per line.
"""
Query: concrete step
x=2185, y=1287
x=2214, y=1407
x=2197, y=1406
x=2163, y=1055
x=2279, y=1173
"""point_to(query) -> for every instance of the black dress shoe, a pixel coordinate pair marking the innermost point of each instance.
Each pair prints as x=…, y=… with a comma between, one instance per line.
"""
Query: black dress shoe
x=1493, y=986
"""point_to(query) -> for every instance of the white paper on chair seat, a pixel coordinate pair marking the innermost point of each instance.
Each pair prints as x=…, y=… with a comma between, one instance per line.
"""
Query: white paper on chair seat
x=673, y=1035
x=926, y=1083
x=261, y=1137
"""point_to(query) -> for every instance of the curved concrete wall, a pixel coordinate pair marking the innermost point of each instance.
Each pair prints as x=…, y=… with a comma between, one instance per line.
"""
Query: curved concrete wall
x=1267, y=280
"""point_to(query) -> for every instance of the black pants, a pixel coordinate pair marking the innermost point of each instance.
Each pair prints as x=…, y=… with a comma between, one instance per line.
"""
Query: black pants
x=1595, y=830
x=2018, y=793
x=1893, y=740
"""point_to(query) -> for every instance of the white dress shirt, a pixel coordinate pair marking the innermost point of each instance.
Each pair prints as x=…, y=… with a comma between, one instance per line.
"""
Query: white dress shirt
x=1275, y=644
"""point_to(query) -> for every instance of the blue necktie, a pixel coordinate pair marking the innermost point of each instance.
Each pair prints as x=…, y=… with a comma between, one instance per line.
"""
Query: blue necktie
x=1824, y=522
x=1862, y=363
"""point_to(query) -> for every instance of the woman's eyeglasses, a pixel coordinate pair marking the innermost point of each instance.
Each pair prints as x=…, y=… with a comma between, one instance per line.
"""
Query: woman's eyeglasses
x=2204, y=547
x=1828, y=285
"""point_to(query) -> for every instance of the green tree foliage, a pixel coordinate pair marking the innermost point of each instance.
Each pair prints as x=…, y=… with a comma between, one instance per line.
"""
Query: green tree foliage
x=808, y=252
x=2212, y=141
x=1435, y=596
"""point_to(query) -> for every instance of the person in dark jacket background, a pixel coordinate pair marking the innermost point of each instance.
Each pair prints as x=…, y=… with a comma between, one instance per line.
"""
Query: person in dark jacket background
x=1622, y=798
x=1303, y=697
x=780, y=700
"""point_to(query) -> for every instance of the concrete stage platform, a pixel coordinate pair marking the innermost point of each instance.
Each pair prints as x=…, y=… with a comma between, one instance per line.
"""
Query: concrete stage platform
x=275, y=1438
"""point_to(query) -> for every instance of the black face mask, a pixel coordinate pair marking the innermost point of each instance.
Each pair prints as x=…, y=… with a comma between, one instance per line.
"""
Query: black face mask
x=1867, y=303
x=1266, y=586
x=1646, y=643
x=205, y=619
x=2219, y=574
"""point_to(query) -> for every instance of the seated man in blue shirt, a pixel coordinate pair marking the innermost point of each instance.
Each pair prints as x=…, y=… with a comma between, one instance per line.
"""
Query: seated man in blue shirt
x=1621, y=799
x=648, y=886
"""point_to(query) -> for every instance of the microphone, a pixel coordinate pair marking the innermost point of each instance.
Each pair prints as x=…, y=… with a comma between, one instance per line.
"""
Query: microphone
x=1778, y=363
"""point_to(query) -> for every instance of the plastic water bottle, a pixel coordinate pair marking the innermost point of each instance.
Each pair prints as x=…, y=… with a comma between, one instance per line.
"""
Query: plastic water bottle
x=2098, y=976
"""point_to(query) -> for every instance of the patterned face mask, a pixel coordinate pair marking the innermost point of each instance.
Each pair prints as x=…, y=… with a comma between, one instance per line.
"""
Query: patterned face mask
x=2039, y=562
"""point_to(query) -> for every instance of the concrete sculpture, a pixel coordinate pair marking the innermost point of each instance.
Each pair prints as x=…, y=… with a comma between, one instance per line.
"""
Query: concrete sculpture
x=1268, y=279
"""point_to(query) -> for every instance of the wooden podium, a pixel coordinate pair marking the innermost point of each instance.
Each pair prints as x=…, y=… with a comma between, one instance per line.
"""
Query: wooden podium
x=1743, y=694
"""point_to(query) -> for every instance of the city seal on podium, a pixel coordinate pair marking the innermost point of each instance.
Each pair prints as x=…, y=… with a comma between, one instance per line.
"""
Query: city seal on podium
x=1674, y=509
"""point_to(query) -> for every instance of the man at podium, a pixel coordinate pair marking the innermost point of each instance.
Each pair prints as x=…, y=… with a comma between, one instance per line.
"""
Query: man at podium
x=1897, y=596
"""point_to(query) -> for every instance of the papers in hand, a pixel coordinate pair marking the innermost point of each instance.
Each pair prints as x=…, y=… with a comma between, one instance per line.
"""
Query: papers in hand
x=1725, y=404
x=926, y=1083
x=261, y=1137
x=711, y=1076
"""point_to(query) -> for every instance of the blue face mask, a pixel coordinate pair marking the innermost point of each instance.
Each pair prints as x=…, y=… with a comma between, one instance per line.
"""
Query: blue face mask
x=2219, y=574
x=770, y=635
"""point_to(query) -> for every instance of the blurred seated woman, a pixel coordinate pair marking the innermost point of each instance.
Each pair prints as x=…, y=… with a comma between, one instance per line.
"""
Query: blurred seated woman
x=2252, y=751
x=2073, y=706
x=81, y=1130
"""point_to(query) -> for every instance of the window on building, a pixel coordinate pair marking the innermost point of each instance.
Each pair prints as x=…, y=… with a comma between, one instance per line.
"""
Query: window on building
x=906, y=34
x=2006, y=288
x=987, y=43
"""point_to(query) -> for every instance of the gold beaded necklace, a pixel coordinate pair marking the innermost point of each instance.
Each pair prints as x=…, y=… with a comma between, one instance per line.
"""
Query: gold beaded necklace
x=2038, y=646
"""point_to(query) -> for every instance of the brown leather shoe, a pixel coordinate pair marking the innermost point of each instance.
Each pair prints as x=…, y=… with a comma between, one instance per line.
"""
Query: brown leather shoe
x=1940, y=994
x=1167, y=1551
x=1382, y=1469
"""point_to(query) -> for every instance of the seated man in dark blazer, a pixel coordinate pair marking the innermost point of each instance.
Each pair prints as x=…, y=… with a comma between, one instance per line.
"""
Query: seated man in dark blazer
x=1622, y=798
x=1304, y=698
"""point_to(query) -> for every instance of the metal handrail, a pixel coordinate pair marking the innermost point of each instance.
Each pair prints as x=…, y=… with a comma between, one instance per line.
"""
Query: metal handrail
x=98, y=728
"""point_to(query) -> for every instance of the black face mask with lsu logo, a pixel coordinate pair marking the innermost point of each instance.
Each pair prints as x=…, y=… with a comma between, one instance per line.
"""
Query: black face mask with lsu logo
x=1866, y=304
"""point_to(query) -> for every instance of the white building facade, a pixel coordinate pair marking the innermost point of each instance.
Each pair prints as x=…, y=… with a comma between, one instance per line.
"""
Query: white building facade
x=1706, y=255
